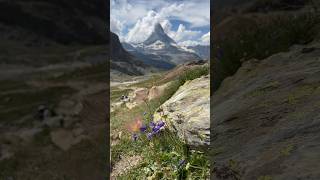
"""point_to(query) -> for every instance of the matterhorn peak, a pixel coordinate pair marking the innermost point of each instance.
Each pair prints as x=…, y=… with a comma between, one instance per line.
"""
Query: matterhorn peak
x=158, y=34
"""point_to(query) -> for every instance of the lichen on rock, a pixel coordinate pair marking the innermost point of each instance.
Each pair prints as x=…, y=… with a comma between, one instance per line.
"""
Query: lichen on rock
x=187, y=112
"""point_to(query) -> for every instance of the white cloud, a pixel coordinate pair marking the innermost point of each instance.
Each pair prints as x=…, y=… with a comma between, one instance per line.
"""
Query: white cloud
x=130, y=11
x=143, y=28
x=166, y=25
x=138, y=17
x=188, y=43
x=205, y=39
x=116, y=26
x=195, y=12
x=183, y=34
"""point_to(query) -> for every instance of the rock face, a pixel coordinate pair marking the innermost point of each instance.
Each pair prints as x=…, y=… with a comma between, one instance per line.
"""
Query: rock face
x=266, y=118
x=187, y=112
x=156, y=91
x=158, y=34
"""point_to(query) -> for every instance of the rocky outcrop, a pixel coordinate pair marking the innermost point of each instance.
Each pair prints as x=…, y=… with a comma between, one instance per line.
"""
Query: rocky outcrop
x=137, y=97
x=187, y=112
x=65, y=139
x=157, y=91
x=266, y=120
x=140, y=95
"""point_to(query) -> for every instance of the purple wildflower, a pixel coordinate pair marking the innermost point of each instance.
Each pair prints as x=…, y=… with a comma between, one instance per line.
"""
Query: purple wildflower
x=134, y=137
x=144, y=113
x=152, y=124
x=143, y=128
x=156, y=129
x=181, y=163
x=149, y=135
x=160, y=123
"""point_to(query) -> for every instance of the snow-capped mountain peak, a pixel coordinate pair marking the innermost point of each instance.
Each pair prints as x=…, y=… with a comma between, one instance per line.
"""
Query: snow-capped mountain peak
x=156, y=45
x=160, y=50
x=158, y=34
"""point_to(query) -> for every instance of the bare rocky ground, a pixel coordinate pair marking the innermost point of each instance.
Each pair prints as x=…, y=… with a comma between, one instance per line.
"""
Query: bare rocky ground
x=68, y=142
x=124, y=165
x=265, y=121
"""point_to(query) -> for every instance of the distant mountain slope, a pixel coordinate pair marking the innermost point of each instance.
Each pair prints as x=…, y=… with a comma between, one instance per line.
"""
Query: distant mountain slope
x=201, y=50
x=61, y=21
x=148, y=59
x=122, y=61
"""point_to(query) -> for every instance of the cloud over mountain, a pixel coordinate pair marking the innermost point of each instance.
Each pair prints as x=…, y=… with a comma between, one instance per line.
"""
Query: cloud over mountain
x=183, y=21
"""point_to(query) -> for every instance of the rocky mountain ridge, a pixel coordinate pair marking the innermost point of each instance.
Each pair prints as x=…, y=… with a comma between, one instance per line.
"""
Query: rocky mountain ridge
x=158, y=35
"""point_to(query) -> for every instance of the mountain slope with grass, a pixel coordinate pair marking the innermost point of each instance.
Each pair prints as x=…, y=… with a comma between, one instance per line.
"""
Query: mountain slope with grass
x=122, y=62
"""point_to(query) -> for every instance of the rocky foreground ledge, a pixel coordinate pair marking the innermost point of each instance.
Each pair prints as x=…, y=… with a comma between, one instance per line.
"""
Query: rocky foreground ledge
x=266, y=118
x=187, y=112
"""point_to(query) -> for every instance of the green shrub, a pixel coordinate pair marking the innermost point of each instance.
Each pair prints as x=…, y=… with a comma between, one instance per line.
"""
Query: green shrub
x=186, y=76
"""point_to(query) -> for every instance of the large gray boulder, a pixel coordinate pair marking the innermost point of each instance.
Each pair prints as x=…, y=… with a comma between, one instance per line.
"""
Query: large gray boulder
x=187, y=112
x=266, y=120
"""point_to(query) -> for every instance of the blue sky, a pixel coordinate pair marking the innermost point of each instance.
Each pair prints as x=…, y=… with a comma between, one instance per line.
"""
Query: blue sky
x=185, y=21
